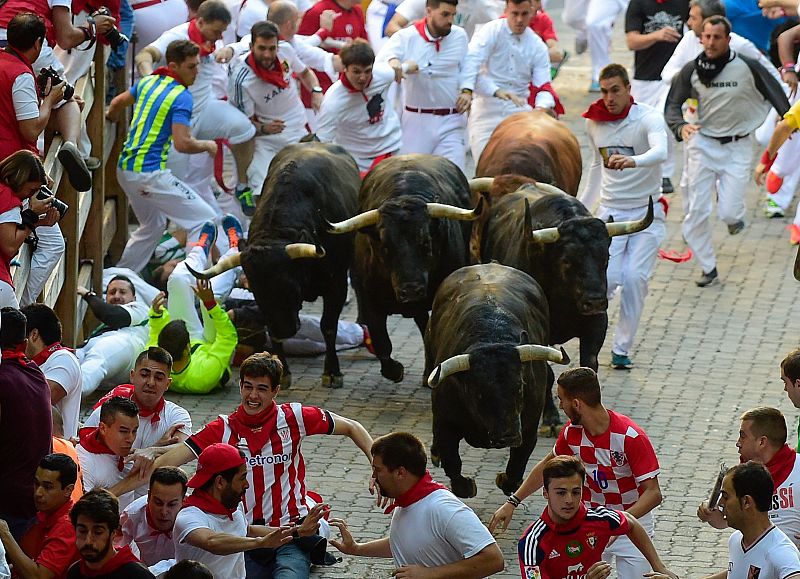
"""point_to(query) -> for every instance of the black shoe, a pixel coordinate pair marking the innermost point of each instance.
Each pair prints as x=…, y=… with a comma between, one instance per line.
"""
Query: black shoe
x=79, y=176
x=735, y=228
x=707, y=279
x=666, y=186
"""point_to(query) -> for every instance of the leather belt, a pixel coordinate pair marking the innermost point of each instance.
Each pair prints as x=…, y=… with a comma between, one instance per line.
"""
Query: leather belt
x=733, y=139
x=437, y=112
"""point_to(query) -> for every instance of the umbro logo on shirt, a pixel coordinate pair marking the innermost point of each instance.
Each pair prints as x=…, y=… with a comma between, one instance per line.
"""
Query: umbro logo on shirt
x=553, y=554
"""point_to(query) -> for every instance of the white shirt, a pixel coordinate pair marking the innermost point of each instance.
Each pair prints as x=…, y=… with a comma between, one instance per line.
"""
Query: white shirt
x=101, y=470
x=642, y=135
x=508, y=61
x=345, y=120
x=785, y=509
x=63, y=367
x=252, y=11
x=772, y=556
x=147, y=543
x=436, y=530
x=192, y=518
x=24, y=97
x=411, y=10
x=151, y=431
x=440, y=75
x=309, y=52
x=265, y=101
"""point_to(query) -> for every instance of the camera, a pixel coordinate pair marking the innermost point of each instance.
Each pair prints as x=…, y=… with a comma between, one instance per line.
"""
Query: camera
x=55, y=78
x=114, y=36
x=57, y=204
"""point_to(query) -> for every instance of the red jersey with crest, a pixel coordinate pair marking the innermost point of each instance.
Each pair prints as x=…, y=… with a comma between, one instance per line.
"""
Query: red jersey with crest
x=551, y=551
x=275, y=467
x=616, y=461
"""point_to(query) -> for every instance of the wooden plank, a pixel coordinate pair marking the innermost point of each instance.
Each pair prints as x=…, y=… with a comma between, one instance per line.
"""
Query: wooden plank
x=92, y=233
x=109, y=223
x=19, y=275
x=53, y=285
x=85, y=199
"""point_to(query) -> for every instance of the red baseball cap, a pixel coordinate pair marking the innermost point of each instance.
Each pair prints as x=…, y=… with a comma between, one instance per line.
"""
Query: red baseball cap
x=215, y=459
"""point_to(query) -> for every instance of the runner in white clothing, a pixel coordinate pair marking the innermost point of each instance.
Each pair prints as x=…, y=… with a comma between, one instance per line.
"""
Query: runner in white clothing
x=430, y=54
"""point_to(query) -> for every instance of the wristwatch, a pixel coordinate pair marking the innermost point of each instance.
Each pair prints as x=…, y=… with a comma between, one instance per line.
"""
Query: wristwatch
x=316, y=90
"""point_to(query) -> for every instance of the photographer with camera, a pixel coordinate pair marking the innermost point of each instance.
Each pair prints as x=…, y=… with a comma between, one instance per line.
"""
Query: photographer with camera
x=21, y=177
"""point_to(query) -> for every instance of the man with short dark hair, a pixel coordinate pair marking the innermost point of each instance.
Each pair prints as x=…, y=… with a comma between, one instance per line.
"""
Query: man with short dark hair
x=58, y=363
x=24, y=401
x=619, y=457
x=431, y=528
x=95, y=518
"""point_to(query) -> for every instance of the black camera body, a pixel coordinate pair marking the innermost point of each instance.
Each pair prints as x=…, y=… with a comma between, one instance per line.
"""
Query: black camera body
x=55, y=79
x=114, y=36
x=57, y=204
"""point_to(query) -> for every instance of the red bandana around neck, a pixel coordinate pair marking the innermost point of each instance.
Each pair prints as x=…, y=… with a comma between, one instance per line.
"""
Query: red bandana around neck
x=127, y=391
x=120, y=558
x=597, y=111
x=423, y=32
x=350, y=87
x=257, y=429
x=781, y=465
x=165, y=71
x=91, y=442
x=208, y=504
x=155, y=531
x=42, y=356
x=273, y=75
x=16, y=354
x=206, y=46
x=425, y=486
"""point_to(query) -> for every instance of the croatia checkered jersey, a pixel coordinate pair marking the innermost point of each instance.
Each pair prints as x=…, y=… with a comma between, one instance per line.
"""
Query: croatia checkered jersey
x=617, y=461
x=550, y=551
x=275, y=466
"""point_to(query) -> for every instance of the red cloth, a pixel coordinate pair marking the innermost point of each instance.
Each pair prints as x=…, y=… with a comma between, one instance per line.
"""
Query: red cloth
x=375, y=162
x=8, y=201
x=166, y=71
x=208, y=504
x=51, y=541
x=272, y=75
x=92, y=443
x=127, y=391
x=598, y=112
x=11, y=67
x=423, y=32
x=11, y=8
x=425, y=486
x=256, y=429
x=781, y=465
x=547, y=87
x=542, y=24
x=42, y=356
x=120, y=558
x=206, y=46
x=15, y=354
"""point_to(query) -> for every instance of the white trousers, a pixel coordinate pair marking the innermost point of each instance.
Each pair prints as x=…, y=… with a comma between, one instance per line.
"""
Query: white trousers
x=43, y=261
x=156, y=197
x=487, y=113
x=712, y=165
x=8, y=298
x=785, y=166
x=180, y=288
x=623, y=554
x=374, y=19
x=266, y=147
x=654, y=93
x=600, y=17
x=309, y=341
x=574, y=16
x=435, y=135
x=110, y=357
x=630, y=265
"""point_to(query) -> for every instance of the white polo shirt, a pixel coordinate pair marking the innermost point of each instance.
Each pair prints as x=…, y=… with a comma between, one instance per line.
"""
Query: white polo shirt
x=62, y=366
x=102, y=470
x=150, y=430
x=222, y=566
x=149, y=544
x=772, y=556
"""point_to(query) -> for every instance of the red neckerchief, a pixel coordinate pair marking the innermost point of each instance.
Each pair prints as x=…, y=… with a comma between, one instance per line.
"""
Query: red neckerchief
x=350, y=87
x=208, y=504
x=597, y=111
x=120, y=558
x=256, y=430
x=17, y=354
x=423, y=32
x=272, y=75
x=206, y=46
x=155, y=531
x=570, y=525
x=425, y=486
x=546, y=87
x=166, y=71
x=42, y=356
x=127, y=391
x=91, y=443
x=781, y=465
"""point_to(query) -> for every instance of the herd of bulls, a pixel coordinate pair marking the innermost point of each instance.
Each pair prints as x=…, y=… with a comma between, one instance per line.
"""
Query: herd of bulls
x=407, y=235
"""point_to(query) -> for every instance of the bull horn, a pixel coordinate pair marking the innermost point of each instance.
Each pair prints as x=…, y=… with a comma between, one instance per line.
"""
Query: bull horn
x=300, y=250
x=447, y=368
x=480, y=184
x=797, y=265
x=548, y=188
x=531, y=352
x=546, y=235
x=222, y=265
x=355, y=223
x=441, y=211
x=626, y=227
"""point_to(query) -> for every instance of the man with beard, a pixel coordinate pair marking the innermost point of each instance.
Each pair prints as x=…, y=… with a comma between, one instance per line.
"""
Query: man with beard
x=618, y=456
x=431, y=528
x=95, y=518
x=734, y=95
x=431, y=55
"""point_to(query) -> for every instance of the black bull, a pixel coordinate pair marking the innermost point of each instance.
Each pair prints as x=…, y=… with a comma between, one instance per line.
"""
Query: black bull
x=289, y=257
x=550, y=235
x=487, y=369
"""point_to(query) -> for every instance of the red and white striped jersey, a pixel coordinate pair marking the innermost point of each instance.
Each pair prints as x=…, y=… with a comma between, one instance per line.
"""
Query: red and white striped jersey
x=275, y=467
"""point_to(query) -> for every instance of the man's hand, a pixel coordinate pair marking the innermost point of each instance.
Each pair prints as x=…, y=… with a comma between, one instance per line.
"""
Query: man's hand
x=397, y=67
x=142, y=459
x=380, y=500
x=509, y=96
x=316, y=101
x=412, y=572
x=411, y=67
x=223, y=55
x=159, y=302
x=40, y=206
x=103, y=24
x=688, y=130
x=713, y=517
x=326, y=19
x=275, y=126
x=55, y=93
x=667, y=34
x=502, y=517
x=310, y=525
x=170, y=436
x=210, y=147
x=80, y=101
x=758, y=176
x=81, y=291
x=204, y=292
x=599, y=570
x=5, y=532
x=276, y=537
x=790, y=78
x=347, y=545
x=464, y=102
x=620, y=162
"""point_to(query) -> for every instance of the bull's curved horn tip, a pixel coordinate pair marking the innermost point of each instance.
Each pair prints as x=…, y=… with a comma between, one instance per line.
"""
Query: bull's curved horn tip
x=564, y=356
x=433, y=379
x=198, y=274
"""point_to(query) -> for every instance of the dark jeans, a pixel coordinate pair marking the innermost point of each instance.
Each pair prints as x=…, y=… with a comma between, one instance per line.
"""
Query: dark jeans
x=286, y=562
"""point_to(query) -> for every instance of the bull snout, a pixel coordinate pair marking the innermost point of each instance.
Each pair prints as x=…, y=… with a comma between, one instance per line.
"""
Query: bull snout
x=411, y=292
x=592, y=306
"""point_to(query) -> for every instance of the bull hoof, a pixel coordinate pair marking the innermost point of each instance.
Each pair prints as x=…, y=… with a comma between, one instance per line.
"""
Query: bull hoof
x=286, y=380
x=436, y=460
x=547, y=431
x=392, y=370
x=505, y=484
x=551, y=418
x=465, y=488
x=332, y=380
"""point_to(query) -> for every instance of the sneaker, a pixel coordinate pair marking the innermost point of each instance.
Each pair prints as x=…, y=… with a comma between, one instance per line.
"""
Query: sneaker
x=244, y=194
x=594, y=86
x=707, y=279
x=666, y=186
x=620, y=362
x=554, y=68
x=581, y=44
x=233, y=229
x=92, y=163
x=79, y=176
x=772, y=209
x=794, y=234
x=208, y=236
x=735, y=228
